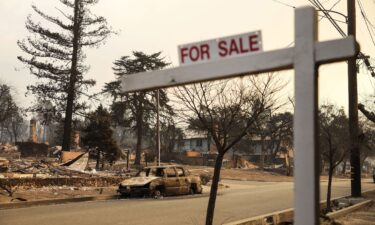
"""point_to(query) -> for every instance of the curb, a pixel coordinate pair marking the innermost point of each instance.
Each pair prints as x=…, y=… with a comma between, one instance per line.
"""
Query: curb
x=16, y=205
x=256, y=180
x=339, y=213
x=287, y=214
x=276, y=217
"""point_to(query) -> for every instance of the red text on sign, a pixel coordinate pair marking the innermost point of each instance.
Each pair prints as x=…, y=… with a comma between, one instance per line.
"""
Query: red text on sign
x=195, y=53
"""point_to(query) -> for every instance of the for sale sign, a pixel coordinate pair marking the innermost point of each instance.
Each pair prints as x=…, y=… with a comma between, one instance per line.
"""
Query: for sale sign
x=224, y=47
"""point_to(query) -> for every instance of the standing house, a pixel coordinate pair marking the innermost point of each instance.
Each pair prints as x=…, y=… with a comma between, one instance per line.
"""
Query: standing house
x=194, y=141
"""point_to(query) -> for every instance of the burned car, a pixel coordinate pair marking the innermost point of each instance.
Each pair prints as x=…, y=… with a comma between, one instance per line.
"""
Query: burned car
x=157, y=181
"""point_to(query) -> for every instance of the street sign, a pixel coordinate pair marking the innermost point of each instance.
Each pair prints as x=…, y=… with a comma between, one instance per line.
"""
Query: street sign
x=305, y=57
x=220, y=48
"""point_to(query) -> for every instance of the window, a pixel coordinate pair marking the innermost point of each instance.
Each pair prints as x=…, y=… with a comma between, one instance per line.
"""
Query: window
x=180, y=171
x=159, y=172
x=199, y=143
x=170, y=172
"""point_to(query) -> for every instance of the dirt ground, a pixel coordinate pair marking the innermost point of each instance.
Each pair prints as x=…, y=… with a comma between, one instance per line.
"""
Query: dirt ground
x=267, y=175
x=244, y=174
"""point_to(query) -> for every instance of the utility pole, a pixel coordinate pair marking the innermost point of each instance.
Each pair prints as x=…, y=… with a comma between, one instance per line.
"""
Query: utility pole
x=355, y=164
x=158, y=125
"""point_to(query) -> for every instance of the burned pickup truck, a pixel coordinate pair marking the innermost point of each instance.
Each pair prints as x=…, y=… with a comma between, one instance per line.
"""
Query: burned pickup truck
x=157, y=181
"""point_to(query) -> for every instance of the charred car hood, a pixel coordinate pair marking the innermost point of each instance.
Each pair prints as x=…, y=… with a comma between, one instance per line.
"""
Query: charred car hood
x=138, y=181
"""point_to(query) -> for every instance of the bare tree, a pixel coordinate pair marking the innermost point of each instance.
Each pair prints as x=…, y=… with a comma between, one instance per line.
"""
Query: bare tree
x=16, y=125
x=227, y=110
x=367, y=139
x=367, y=113
x=333, y=140
x=10, y=114
x=276, y=133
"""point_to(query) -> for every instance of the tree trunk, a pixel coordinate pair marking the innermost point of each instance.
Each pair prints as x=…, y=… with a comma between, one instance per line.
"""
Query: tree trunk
x=287, y=164
x=15, y=132
x=72, y=81
x=127, y=160
x=329, y=187
x=1, y=133
x=213, y=192
x=103, y=162
x=97, y=160
x=344, y=167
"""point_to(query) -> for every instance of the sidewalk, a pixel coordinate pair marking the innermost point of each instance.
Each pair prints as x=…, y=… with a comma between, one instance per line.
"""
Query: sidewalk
x=364, y=216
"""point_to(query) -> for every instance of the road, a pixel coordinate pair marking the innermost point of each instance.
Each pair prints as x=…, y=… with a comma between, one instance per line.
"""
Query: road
x=241, y=200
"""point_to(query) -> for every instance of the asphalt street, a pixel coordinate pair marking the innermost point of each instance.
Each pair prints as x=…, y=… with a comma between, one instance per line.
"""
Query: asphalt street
x=241, y=200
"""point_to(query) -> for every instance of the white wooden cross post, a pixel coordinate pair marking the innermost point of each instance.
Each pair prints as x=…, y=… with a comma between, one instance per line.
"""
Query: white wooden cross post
x=304, y=57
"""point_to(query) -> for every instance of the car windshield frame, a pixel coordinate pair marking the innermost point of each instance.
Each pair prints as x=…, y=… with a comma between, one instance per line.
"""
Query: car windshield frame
x=151, y=172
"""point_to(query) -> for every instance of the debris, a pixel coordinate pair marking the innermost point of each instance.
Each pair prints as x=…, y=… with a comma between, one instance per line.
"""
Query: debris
x=79, y=163
x=4, y=163
x=67, y=156
x=19, y=199
x=56, y=150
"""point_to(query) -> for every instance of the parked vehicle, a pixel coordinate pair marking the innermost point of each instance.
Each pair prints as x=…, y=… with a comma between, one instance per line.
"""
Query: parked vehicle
x=157, y=181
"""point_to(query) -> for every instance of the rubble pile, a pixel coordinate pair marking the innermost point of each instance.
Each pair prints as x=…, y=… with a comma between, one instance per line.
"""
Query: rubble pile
x=244, y=164
x=27, y=183
x=9, y=151
x=31, y=173
x=7, y=148
x=4, y=163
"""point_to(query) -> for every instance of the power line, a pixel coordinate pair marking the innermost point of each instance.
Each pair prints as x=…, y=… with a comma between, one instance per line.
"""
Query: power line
x=338, y=1
x=326, y=13
x=285, y=4
x=366, y=21
x=361, y=55
x=340, y=21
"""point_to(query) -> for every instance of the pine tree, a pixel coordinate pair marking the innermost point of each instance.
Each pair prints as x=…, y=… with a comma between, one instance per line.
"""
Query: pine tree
x=98, y=134
x=55, y=56
x=136, y=110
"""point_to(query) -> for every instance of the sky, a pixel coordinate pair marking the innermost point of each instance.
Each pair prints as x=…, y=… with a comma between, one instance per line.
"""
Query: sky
x=151, y=26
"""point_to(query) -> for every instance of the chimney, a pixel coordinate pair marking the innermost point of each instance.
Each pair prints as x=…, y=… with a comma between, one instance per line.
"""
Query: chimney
x=33, y=136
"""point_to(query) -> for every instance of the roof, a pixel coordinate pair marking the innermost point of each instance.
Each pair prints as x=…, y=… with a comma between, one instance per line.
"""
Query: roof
x=190, y=134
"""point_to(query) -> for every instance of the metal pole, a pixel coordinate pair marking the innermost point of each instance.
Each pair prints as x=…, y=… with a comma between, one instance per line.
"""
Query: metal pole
x=158, y=125
x=353, y=109
x=127, y=160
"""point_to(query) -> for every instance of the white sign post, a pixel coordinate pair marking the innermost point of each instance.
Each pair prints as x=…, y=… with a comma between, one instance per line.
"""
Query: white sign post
x=304, y=57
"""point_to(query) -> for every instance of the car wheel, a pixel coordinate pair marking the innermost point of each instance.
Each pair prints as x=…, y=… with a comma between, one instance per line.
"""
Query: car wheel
x=192, y=190
x=158, y=194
